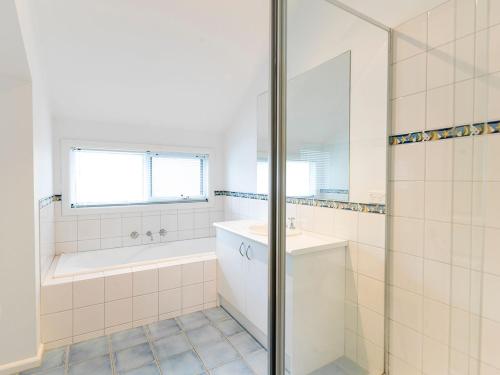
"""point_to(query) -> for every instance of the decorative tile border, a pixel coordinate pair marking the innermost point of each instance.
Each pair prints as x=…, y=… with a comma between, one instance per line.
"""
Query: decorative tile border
x=333, y=191
x=446, y=133
x=44, y=202
x=351, y=206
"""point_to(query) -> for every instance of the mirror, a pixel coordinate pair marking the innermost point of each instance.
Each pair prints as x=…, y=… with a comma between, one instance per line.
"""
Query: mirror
x=318, y=114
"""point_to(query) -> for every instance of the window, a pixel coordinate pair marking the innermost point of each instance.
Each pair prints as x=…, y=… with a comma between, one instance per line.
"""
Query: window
x=113, y=178
x=299, y=178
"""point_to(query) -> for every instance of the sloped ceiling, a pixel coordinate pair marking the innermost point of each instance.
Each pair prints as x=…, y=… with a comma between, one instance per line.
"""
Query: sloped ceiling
x=171, y=63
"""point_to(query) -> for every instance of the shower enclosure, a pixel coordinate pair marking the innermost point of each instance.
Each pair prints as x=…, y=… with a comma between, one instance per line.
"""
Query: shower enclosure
x=327, y=162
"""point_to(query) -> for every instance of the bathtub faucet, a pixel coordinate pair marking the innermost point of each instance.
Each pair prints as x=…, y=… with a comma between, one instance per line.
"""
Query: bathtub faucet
x=162, y=233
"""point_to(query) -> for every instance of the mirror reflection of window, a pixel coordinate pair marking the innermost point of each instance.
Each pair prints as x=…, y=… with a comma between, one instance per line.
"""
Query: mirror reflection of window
x=300, y=178
x=318, y=132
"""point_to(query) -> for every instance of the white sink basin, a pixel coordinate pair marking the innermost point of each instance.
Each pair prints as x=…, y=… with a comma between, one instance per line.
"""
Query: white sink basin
x=261, y=230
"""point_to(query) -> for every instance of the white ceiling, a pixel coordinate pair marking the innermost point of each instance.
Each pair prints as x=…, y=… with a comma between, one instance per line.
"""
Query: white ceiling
x=171, y=63
x=13, y=63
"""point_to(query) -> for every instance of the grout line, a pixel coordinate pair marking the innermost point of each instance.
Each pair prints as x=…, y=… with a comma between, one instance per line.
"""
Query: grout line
x=66, y=359
x=111, y=355
x=424, y=187
x=150, y=340
x=193, y=348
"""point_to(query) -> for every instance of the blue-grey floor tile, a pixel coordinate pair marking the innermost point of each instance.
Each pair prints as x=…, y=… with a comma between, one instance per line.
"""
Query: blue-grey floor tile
x=88, y=349
x=164, y=328
x=331, y=369
x=150, y=369
x=216, y=314
x=96, y=366
x=349, y=367
x=229, y=327
x=193, y=320
x=172, y=345
x=134, y=357
x=51, y=359
x=258, y=362
x=204, y=334
x=186, y=363
x=215, y=354
x=50, y=371
x=232, y=368
x=128, y=338
x=244, y=343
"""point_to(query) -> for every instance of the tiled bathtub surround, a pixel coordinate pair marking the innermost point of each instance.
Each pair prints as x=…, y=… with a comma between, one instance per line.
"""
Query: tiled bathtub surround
x=444, y=209
x=46, y=235
x=93, y=232
x=82, y=307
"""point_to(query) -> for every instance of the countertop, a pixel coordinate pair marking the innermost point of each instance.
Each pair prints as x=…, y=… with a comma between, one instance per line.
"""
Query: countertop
x=299, y=244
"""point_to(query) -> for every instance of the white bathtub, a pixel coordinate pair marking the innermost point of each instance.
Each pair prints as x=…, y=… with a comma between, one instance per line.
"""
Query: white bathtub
x=94, y=293
x=125, y=257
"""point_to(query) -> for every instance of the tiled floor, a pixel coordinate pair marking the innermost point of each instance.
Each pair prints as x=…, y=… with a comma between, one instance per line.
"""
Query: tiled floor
x=208, y=342
x=342, y=366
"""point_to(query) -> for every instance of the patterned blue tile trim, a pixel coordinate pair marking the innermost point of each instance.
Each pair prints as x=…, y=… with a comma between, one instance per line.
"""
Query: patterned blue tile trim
x=44, y=202
x=351, y=206
x=446, y=133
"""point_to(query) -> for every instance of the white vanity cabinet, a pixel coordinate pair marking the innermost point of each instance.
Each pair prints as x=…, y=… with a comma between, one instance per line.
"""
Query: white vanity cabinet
x=315, y=291
x=242, y=278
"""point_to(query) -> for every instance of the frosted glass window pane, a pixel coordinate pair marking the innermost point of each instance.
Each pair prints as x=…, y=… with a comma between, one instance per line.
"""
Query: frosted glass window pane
x=103, y=177
x=176, y=177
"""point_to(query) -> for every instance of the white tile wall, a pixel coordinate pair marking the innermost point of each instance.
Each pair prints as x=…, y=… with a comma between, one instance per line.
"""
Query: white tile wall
x=78, y=308
x=94, y=232
x=444, y=280
x=47, y=238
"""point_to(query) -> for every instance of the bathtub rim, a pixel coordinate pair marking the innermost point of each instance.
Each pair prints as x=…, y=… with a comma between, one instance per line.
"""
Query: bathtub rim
x=51, y=278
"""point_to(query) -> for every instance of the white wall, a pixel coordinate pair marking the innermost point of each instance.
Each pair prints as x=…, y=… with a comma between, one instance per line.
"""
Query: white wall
x=42, y=134
x=65, y=128
x=19, y=337
x=318, y=31
x=42, y=117
x=241, y=151
x=19, y=261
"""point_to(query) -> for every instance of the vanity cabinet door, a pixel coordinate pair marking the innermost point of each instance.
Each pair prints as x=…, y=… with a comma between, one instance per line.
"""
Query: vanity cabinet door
x=256, y=288
x=231, y=267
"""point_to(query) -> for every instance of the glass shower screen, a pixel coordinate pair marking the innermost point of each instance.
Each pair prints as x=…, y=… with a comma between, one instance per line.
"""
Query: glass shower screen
x=336, y=146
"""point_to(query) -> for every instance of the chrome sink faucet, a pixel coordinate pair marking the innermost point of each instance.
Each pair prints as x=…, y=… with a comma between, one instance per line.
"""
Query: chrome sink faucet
x=291, y=224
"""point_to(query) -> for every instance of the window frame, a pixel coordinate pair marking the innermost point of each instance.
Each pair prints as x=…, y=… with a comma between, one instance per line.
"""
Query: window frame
x=67, y=178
